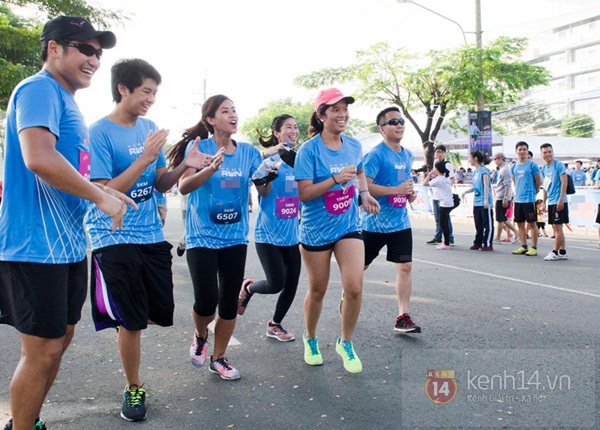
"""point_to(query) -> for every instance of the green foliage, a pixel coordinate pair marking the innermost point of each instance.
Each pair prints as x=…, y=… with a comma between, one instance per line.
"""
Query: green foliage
x=437, y=83
x=578, y=125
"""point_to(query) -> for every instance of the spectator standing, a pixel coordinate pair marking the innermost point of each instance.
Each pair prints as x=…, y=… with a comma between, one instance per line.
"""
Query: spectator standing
x=578, y=175
x=440, y=155
x=504, y=194
x=483, y=213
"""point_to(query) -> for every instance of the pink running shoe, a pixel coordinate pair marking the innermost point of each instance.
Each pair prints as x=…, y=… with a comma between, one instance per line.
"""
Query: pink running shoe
x=276, y=331
x=244, y=297
x=442, y=246
x=198, y=351
x=223, y=369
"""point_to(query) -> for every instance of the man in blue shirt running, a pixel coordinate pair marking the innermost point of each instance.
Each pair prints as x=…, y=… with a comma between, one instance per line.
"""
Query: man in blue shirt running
x=42, y=240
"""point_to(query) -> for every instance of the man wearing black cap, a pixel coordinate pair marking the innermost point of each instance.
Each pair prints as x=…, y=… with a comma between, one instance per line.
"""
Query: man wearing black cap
x=43, y=268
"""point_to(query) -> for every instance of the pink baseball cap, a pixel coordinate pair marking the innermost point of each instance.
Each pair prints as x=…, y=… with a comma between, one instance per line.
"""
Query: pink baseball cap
x=331, y=96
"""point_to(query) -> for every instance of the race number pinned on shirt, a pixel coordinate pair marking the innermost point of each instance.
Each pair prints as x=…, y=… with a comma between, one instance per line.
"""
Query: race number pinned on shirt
x=141, y=192
x=398, y=200
x=84, y=164
x=222, y=212
x=287, y=207
x=338, y=201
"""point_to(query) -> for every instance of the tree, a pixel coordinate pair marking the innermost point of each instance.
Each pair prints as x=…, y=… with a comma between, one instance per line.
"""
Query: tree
x=578, y=125
x=301, y=113
x=529, y=118
x=439, y=83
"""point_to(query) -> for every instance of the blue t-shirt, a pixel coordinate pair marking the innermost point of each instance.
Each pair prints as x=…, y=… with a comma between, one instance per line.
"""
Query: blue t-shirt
x=479, y=186
x=327, y=218
x=388, y=168
x=277, y=220
x=38, y=223
x=578, y=177
x=114, y=149
x=217, y=213
x=525, y=181
x=551, y=181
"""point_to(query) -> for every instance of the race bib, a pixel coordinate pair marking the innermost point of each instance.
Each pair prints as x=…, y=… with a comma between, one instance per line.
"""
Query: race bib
x=141, y=192
x=222, y=212
x=339, y=201
x=84, y=164
x=398, y=200
x=287, y=207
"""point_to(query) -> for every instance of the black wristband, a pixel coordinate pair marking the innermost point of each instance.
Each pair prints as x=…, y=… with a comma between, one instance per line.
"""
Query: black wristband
x=333, y=177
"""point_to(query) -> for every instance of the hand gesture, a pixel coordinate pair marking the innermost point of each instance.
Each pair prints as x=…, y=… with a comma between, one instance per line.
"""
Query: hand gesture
x=114, y=204
x=154, y=144
x=196, y=159
x=369, y=204
x=347, y=174
x=217, y=159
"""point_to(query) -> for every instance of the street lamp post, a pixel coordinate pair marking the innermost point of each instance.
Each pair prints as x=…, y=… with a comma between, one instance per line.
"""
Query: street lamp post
x=438, y=14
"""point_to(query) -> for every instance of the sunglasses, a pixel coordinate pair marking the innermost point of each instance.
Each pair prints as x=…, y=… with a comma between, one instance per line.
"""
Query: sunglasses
x=394, y=122
x=87, y=50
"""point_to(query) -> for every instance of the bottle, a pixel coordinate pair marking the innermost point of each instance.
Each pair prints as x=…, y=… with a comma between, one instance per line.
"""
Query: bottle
x=261, y=176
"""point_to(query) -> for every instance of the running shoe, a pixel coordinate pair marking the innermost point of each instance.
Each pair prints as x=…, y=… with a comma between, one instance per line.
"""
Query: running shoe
x=564, y=256
x=223, y=369
x=405, y=324
x=433, y=241
x=198, y=350
x=531, y=252
x=451, y=243
x=351, y=361
x=37, y=426
x=276, y=331
x=312, y=355
x=520, y=251
x=516, y=239
x=475, y=247
x=443, y=246
x=486, y=248
x=506, y=240
x=244, y=297
x=552, y=256
x=134, y=404
x=180, y=250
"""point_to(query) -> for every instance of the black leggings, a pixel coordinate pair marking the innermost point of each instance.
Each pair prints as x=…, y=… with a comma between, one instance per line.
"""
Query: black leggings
x=217, y=276
x=444, y=218
x=282, y=267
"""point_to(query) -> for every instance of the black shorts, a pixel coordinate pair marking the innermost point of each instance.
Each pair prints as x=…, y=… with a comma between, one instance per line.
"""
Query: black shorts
x=598, y=215
x=131, y=285
x=399, y=245
x=558, y=217
x=501, y=211
x=327, y=246
x=525, y=212
x=42, y=299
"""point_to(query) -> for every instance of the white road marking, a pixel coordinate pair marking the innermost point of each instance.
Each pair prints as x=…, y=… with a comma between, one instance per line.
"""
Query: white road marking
x=507, y=278
x=232, y=342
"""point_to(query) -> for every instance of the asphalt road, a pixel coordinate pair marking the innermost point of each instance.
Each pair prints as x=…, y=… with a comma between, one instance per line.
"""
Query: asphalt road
x=519, y=335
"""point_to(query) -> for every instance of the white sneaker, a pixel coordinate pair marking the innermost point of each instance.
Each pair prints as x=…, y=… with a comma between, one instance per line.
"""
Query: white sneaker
x=552, y=257
x=563, y=256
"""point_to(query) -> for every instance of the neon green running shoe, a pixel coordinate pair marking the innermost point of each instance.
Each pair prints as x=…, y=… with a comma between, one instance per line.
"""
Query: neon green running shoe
x=520, y=251
x=312, y=355
x=531, y=252
x=351, y=361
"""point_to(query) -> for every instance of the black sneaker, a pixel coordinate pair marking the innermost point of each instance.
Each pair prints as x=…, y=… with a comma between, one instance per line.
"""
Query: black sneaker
x=433, y=241
x=37, y=426
x=180, y=250
x=134, y=404
x=405, y=324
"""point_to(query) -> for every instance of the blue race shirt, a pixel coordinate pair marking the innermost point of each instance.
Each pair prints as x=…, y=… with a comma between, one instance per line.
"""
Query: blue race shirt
x=38, y=223
x=578, y=177
x=479, y=186
x=388, y=168
x=327, y=218
x=217, y=213
x=277, y=220
x=525, y=181
x=551, y=181
x=114, y=149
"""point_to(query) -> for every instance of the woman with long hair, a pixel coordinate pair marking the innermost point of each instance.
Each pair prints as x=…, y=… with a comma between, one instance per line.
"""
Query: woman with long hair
x=276, y=232
x=216, y=226
x=330, y=176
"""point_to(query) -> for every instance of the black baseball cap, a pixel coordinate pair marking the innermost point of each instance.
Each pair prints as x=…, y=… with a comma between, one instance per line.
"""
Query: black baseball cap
x=75, y=28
